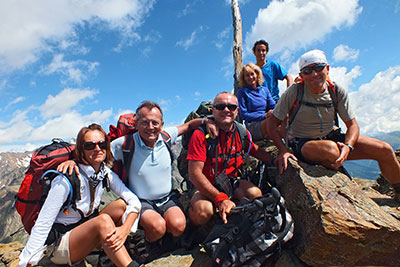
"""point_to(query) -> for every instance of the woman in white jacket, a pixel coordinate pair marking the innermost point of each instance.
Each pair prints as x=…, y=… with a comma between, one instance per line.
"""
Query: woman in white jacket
x=71, y=236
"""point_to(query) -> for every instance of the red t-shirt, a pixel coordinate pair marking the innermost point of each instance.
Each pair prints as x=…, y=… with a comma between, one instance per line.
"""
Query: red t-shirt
x=226, y=145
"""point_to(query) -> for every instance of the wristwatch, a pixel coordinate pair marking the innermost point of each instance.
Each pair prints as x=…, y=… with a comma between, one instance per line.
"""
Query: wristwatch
x=351, y=147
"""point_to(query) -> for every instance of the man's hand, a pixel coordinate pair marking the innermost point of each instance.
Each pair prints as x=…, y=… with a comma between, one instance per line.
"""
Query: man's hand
x=282, y=159
x=212, y=128
x=224, y=208
x=344, y=153
x=69, y=166
x=268, y=114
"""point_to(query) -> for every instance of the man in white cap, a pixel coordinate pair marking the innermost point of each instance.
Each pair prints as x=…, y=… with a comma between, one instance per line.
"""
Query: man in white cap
x=313, y=135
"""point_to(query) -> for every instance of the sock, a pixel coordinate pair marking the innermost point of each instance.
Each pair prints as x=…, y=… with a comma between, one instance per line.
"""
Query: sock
x=133, y=264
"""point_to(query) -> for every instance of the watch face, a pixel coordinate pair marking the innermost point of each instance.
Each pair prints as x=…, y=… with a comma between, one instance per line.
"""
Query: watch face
x=351, y=147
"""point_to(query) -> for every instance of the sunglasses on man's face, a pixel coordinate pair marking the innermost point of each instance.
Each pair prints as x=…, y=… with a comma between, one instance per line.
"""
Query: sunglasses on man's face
x=317, y=68
x=92, y=145
x=231, y=107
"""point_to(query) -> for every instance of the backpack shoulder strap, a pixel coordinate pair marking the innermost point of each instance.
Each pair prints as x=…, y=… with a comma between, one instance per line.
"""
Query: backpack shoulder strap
x=167, y=140
x=332, y=88
x=73, y=184
x=245, y=136
x=297, y=103
x=128, y=149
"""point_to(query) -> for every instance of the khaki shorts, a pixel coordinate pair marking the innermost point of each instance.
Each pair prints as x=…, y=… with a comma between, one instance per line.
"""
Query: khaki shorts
x=60, y=253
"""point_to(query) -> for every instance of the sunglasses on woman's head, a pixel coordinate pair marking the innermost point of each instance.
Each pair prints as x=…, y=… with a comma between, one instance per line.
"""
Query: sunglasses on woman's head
x=231, y=107
x=92, y=145
x=317, y=68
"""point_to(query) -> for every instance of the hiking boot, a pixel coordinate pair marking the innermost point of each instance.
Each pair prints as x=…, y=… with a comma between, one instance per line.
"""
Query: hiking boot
x=397, y=197
x=152, y=251
x=170, y=243
x=396, y=188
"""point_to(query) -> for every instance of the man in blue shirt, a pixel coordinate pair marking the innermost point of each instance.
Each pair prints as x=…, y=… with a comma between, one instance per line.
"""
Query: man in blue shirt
x=150, y=171
x=271, y=70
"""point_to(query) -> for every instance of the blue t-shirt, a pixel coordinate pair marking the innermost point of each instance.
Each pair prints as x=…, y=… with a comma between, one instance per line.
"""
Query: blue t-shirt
x=273, y=72
x=254, y=103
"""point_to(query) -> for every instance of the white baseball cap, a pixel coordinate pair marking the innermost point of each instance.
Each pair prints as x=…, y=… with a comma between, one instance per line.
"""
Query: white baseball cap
x=312, y=57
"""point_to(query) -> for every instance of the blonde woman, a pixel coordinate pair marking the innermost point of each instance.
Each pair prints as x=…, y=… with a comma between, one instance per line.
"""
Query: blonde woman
x=255, y=101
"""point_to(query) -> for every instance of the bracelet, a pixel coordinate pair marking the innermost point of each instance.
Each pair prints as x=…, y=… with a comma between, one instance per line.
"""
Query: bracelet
x=219, y=198
x=351, y=147
x=203, y=120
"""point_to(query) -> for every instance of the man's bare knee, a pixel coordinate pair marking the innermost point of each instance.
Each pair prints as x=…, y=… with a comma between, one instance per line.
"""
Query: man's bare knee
x=201, y=215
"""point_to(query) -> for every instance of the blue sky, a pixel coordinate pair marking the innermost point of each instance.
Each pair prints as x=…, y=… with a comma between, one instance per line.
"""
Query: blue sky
x=66, y=63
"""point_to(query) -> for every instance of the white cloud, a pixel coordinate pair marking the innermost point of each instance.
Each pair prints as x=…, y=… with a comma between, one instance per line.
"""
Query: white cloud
x=66, y=126
x=3, y=84
x=15, y=101
x=18, y=147
x=222, y=37
x=186, y=11
x=376, y=103
x=227, y=67
x=295, y=24
x=344, y=78
x=64, y=101
x=191, y=40
x=187, y=42
x=345, y=53
x=59, y=119
x=75, y=71
x=164, y=104
x=38, y=25
x=16, y=129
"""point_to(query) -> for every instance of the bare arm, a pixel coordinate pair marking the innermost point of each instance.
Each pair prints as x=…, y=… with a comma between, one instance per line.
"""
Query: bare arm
x=196, y=123
x=284, y=154
x=352, y=134
x=208, y=190
x=289, y=80
x=200, y=181
x=262, y=155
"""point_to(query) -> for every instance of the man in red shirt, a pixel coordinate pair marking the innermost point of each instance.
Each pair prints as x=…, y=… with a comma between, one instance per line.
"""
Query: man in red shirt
x=203, y=166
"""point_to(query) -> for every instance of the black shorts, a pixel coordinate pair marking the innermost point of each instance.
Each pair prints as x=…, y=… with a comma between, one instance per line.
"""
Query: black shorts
x=297, y=143
x=161, y=205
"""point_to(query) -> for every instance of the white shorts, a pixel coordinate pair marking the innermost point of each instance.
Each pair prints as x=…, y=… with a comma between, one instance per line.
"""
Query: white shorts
x=60, y=254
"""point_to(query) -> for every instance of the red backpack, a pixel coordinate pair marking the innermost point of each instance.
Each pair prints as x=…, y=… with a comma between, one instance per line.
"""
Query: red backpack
x=37, y=181
x=125, y=126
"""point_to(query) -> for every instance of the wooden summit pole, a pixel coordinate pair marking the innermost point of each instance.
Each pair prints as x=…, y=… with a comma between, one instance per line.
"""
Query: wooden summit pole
x=237, y=43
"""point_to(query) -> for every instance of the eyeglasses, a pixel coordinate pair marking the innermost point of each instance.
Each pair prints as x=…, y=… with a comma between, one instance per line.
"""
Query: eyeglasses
x=146, y=123
x=231, y=107
x=92, y=145
x=317, y=68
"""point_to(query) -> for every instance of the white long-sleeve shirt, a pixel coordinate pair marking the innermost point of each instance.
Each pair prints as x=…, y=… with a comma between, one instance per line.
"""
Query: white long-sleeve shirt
x=51, y=210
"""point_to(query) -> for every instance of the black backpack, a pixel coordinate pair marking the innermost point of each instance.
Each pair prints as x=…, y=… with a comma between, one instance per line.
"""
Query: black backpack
x=254, y=234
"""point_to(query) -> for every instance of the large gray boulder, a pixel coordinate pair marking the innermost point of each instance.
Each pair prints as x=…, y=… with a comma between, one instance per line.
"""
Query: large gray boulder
x=336, y=222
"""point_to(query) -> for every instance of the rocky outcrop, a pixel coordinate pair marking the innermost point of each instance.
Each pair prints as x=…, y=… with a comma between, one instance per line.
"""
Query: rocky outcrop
x=9, y=254
x=337, y=223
